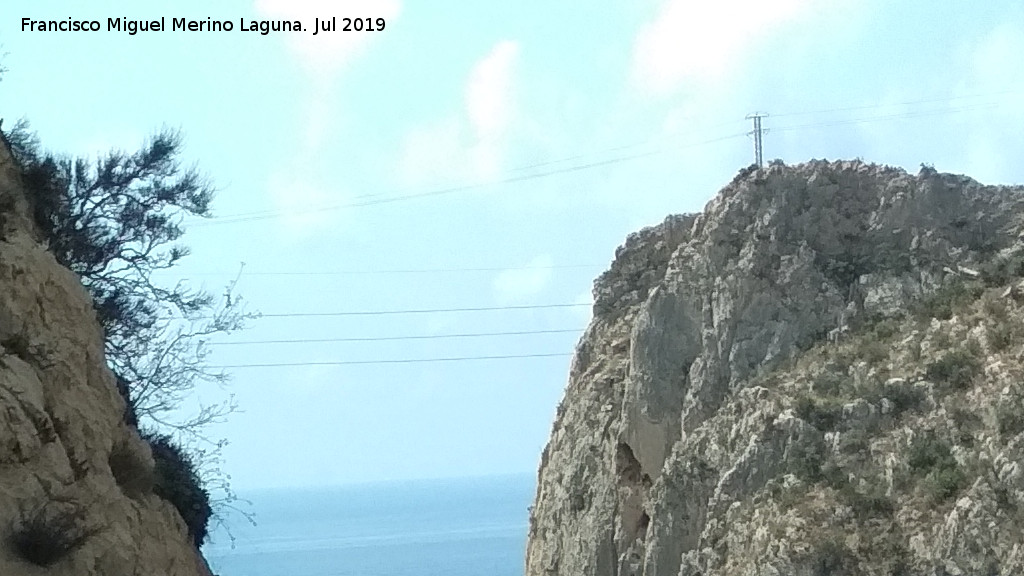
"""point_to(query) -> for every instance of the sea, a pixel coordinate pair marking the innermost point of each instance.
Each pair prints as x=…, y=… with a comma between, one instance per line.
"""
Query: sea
x=455, y=527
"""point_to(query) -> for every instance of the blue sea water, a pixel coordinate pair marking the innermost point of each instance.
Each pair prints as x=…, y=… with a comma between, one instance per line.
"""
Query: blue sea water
x=463, y=527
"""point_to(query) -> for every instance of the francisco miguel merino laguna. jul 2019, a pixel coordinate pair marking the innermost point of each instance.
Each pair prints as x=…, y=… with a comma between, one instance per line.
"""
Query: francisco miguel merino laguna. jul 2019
x=264, y=27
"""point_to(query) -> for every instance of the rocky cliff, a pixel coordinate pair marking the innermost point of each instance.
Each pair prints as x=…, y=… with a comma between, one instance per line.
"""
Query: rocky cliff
x=821, y=373
x=76, y=492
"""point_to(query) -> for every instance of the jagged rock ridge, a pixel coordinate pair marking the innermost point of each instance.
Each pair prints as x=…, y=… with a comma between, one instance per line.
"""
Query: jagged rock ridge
x=735, y=408
x=75, y=481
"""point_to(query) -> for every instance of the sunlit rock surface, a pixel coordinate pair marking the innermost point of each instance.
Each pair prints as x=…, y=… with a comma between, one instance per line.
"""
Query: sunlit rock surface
x=821, y=373
x=61, y=422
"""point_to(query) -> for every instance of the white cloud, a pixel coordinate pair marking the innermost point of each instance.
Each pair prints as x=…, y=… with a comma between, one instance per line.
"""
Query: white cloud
x=470, y=145
x=323, y=56
x=489, y=91
x=519, y=284
x=992, y=136
x=293, y=187
x=997, y=57
x=701, y=40
x=327, y=52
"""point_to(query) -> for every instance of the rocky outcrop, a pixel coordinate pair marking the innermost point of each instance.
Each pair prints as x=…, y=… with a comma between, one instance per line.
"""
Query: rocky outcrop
x=75, y=481
x=733, y=410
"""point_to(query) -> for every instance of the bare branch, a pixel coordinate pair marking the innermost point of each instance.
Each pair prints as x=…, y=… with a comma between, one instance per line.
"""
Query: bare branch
x=114, y=222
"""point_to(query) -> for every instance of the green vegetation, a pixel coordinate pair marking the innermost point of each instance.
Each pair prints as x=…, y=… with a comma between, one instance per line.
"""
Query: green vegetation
x=1002, y=334
x=845, y=267
x=905, y=397
x=1002, y=270
x=853, y=442
x=822, y=414
x=831, y=381
x=928, y=451
x=944, y=483
x=806, y=462
x=886, y=328
x=834, y=476
x=830, y=556
x=870, y=504
x=49, y=532
x=874, y=352
x=116, y=222
x=1010, y=417
x=955, y=370
x=965, y=422
x=899, y=559
x=933, y=469
x=943, y=302
x=177, y=481
x=932, y=458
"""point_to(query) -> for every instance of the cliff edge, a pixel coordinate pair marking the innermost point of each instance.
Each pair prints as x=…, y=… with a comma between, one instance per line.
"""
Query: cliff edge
x=76, y=483
x=818, y=374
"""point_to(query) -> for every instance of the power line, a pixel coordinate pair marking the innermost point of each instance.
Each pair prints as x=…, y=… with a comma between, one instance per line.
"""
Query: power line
x=897, y=116
x=565, y=159
x=397, y=361
x=269, y=214
x=398, y=271
x=398, y=312
x=785, y=114
x=390, y=338
x=420, y=311
x=256, y=216
x=758, y=131
x=908, y=103
x=544, y=306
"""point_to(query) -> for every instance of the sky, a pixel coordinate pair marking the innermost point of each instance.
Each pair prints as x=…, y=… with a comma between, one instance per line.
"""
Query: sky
x=481, y=155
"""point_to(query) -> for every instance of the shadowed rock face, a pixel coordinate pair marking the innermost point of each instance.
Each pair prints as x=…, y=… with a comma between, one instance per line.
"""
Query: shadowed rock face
x=681, y=432
x=69, y=465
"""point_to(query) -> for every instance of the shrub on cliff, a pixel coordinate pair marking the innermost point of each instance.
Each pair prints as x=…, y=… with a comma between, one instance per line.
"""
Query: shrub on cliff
x=955, y=370
x=177, y=480
x=117, y=222
x=931, y=457
x=49, y=532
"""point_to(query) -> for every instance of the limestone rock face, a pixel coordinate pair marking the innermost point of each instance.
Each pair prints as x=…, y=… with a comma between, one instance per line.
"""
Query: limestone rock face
x=67, y=460
x=752, y=396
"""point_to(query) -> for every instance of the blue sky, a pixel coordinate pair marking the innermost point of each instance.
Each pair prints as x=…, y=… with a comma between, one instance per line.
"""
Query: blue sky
x=616, y=114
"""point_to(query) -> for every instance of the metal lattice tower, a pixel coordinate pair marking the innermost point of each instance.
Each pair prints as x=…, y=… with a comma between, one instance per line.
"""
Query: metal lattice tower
x=757, y=132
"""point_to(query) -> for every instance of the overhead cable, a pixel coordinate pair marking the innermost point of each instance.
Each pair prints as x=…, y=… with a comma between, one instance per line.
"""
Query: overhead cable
x=391, y=338
x=395, y=361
